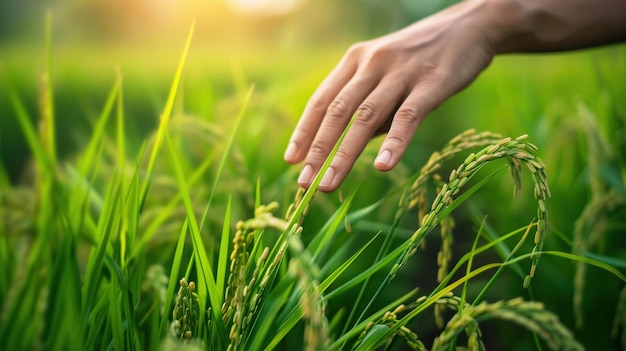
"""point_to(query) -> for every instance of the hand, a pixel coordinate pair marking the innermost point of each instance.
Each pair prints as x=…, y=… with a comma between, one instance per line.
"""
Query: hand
x=393, y=83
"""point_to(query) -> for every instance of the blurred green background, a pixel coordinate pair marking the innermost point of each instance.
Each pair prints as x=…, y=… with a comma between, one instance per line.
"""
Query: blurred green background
x=285, y=48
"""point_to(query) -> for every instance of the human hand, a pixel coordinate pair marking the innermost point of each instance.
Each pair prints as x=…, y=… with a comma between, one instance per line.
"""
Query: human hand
x=393, y=83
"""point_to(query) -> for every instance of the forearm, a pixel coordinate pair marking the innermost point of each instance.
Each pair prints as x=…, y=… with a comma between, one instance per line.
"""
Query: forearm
x=553, y=25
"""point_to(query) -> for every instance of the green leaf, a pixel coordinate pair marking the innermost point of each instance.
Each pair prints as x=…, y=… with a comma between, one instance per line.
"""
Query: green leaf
x=174, y=275
x=223, y=256
x=167, y=111
x=373, y=337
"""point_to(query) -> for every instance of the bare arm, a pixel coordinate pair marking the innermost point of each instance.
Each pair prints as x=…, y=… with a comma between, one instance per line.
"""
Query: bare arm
x=395, y=81
x=559, y=25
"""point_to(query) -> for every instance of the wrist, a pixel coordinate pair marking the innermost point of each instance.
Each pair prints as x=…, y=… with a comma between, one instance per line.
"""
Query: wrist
x=505, y=23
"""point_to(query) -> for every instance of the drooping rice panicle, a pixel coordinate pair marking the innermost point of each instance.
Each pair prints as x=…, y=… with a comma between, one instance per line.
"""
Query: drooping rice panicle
x=416, y=194
x=446, y=226
x=589, y=229
x=390, y=319
x=516, y=151
x=530, y=315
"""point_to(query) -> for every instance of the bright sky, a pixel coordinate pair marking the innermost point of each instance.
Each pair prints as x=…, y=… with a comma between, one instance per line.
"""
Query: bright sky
x=267, y=6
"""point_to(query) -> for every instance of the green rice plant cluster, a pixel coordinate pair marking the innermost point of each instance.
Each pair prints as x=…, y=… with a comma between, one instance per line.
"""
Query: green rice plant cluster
x=78, y=272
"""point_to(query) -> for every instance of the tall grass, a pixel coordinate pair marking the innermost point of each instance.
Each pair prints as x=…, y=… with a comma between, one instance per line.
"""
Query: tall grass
x=79, y=266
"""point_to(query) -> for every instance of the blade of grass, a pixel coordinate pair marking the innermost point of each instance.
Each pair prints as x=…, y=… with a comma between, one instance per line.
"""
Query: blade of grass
x=341, y=340
x=226, y=154
x=63, y=284
x=42, y=159
x=468, y=268
x=372, y=337
x=174, y=275
x=291, y=318
x=574, y=257
x=379, y=339
x=262, y=328
x=166, y=211
x=87, y=158
x=480, y=249
x=490, y=234
x=222, y=264
x=386, y=260
x=47, y=100
x=323, y=238
x=449, y=288
x=325, y=284
x=203, y=264
x=291, y=226
x=612, y=261
x=106, y=225
x=120, y=134
x=167, y=112
x=308, y=196
x=115, y=313
x=479, y=298
x=445, y=212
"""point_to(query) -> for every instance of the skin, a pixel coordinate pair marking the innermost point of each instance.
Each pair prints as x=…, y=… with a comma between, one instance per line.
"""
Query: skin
x=395, y=81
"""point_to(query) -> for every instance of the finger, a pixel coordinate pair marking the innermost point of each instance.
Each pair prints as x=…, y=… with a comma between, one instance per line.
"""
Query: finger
x=407, y=118
x=371, y=115
x=334, y=122
x=314, y=112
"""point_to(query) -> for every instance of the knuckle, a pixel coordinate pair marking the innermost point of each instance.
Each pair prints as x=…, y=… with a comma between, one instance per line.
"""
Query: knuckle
x=366, y=113
x=396, y=139
x=380, y=54
x=342, y=154
x=317, y=105
x=338, y=108
x=356, y=49
x=408, y=114
x=318, y=150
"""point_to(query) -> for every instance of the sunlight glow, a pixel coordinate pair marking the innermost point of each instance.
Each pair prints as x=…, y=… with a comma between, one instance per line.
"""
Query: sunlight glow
x=264, y=6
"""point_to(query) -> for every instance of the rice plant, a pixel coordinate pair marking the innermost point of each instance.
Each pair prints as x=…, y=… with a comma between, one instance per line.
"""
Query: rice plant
x=78, y=244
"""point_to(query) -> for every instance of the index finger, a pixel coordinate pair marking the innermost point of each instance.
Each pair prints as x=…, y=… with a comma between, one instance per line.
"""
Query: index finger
x=313, y=115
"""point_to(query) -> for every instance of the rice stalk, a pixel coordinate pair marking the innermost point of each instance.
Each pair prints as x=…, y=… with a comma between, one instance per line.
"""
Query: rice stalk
x=446, y=227
x=302, y=266
x=391, y=320
x=243, y=293
x=472, y=330
x=185, y=314
x=591, y=226
x=416, y=194
x=530, y=315
x=517, y=152
x=445, y=252
x=589, y=229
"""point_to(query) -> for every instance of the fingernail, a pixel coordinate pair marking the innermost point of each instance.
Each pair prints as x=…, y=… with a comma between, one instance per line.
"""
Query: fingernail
x=290, y=153
x=327, y=180
x=384, y=157
x=306, y=175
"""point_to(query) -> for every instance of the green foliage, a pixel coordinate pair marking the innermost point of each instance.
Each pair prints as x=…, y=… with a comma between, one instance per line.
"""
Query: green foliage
x=142, y=253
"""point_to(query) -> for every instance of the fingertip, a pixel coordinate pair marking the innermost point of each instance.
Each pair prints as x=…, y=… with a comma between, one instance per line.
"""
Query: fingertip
x=291, y=153
x=306, y=176
x=384, y=160
x=328, y=181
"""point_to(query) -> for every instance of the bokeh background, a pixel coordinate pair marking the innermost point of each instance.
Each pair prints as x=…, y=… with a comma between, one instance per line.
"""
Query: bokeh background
x=285, y=48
